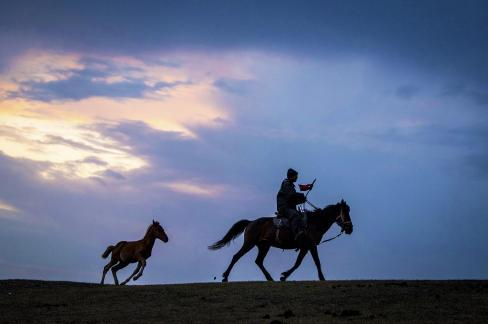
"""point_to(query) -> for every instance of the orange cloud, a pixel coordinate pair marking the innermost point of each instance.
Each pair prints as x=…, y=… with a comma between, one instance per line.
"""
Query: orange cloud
x=59, y=132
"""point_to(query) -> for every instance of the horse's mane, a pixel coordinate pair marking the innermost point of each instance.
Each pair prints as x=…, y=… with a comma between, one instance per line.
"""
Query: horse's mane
x=149, y=227
x=329, y=207
x=317, y=212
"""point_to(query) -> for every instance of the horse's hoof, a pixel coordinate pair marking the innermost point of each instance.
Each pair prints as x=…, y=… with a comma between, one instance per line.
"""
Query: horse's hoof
x=225, y=280
x=282, y=278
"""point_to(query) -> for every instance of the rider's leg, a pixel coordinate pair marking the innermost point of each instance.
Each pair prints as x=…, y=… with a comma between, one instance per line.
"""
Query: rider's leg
x=297, y=225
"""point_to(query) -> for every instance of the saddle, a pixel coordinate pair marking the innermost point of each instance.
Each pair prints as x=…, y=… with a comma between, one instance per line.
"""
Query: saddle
x=280, y=222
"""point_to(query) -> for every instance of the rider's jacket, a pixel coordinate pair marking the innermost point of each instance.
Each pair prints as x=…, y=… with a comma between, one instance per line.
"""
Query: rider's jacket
x=287, y=197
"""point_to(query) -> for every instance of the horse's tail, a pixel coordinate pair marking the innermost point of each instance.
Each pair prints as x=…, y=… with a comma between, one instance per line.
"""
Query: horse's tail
x=108, y=251
x=234, y=232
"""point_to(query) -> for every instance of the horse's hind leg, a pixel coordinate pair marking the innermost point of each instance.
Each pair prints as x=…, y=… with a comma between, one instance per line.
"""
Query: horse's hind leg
x=106, y=268
x=244, y=249
x=263, y=250
x=117, y=268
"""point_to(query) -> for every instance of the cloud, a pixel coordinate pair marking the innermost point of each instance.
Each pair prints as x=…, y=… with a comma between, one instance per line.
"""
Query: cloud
x=395, y=32
x=79, y=87
x=65, y=134
x=477, y=95
x=112, y=174
x=91, y=78
x=196, y=189
x=234, y=86
x=66, y=147
x=6, y=210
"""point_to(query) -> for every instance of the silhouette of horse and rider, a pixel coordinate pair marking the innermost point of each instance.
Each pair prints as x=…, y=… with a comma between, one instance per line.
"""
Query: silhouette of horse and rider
x=291, y=229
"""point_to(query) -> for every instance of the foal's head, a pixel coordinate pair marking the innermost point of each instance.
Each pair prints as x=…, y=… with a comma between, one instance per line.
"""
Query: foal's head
x=158, y=232
x=343, y=218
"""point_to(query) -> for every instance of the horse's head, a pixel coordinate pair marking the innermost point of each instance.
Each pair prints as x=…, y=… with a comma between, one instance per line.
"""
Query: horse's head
x=159, y=232
x=343, y=218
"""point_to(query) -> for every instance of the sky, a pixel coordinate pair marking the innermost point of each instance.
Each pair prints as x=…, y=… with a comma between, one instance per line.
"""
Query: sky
x=116, y=113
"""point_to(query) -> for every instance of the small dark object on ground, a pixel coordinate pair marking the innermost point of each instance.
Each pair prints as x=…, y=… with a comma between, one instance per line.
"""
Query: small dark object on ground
x=399, y=284
x=350, y=312
x=287, y=314
x=266, y=316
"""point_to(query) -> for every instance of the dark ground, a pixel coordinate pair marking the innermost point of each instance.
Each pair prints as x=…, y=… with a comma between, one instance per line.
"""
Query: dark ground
x=23, y=301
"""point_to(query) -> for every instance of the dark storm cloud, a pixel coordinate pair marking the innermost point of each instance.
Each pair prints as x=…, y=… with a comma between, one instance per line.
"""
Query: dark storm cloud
x=447, y=37
x=85, y=83
x=77, y=88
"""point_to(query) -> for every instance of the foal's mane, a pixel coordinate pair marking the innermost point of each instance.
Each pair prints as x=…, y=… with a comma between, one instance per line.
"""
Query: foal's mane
x=149, y=227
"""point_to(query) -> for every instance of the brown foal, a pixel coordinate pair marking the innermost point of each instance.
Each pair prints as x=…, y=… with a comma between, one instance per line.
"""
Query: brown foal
x=124, y=253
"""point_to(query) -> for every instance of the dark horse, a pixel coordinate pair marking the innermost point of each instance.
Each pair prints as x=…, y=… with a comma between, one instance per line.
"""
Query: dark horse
x=262, y=233
x=124, y=253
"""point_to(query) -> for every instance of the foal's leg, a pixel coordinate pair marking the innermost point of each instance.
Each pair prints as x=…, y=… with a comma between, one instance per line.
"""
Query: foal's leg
x=299, y=260
x=316, y=259
x=143, y=261
x=139, y=264
x=117, y=268
x=244, y=249
x=106, y=268
x=263, y=250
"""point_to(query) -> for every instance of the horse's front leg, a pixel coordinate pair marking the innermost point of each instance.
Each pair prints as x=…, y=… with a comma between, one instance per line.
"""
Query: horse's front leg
x=299, y=260
x=316, y=259
x=133, y=273
x=143, y=262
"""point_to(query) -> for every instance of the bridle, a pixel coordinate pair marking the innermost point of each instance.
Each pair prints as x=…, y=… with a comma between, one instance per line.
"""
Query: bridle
x=343, y=222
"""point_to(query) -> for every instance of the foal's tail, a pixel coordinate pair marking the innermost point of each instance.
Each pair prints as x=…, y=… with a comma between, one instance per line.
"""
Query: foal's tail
x=234, y=232
x=110, y=248
x=108, y=251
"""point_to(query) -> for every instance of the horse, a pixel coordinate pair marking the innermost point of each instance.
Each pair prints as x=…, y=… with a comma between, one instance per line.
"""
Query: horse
x=124, y=253
x=263, y=234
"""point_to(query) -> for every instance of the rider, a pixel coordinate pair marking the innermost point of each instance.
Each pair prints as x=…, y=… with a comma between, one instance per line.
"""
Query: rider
x=287, y=200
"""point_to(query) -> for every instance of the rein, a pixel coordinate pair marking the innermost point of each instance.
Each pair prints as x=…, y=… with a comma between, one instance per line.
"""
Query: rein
x=327, y=240
x=341, y=216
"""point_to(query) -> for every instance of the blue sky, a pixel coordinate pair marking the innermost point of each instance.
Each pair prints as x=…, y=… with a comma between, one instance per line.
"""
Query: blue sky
x=113, y=114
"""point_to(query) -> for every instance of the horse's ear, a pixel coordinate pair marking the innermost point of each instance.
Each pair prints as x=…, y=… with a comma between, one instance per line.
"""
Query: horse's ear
x=154, y=223
x=342, y=200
